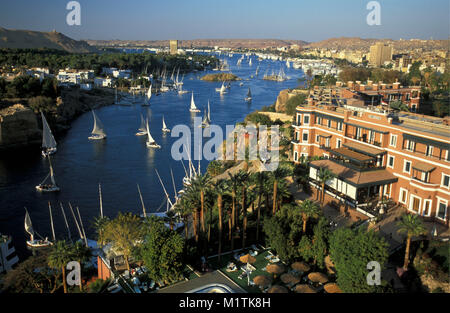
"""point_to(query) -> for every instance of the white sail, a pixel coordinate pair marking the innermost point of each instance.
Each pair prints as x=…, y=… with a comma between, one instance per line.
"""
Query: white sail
x=209, y=112
x=193, y=107
x=288, y=65
x=164, y=124
x=149, y=92
x=28, y=225
x=142, y=127
x=48, y=141
x=250, y=62
x=149, y=136
x=98, y=126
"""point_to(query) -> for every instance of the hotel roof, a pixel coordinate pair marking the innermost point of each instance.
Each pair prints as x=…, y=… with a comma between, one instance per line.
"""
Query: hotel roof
x=356, y=156
x=356, y=178
x=363, y=148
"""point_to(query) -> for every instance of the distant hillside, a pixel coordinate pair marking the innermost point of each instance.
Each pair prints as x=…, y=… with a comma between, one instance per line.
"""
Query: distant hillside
x=196, y=43
x=12, y=38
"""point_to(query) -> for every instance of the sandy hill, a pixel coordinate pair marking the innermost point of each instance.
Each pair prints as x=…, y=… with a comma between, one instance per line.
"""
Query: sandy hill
x=12, y=38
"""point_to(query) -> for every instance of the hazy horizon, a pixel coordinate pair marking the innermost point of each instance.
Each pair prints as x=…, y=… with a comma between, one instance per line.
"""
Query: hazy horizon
x=233, y=19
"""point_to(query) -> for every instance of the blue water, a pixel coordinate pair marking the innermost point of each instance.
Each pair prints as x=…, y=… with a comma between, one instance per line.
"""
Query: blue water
x=123, y=160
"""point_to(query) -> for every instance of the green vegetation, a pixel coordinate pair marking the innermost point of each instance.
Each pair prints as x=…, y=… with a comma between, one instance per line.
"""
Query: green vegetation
x=162, y=252
x=220, y=77
x=351, y=251
x=413, y=227
x=145, y=62
x=26, y=86
x=293, y=102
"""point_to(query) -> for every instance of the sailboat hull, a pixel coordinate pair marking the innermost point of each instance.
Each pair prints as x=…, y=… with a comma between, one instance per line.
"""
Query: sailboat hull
x=152, y=145
x=142, y=133
x=166, y=130
x=38, y=243
x=97, y=137
x=48, y=152
x=47, y=188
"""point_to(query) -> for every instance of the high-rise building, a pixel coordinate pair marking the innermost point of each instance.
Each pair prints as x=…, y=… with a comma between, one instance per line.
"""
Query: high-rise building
x=380, y=53
x=173, y=46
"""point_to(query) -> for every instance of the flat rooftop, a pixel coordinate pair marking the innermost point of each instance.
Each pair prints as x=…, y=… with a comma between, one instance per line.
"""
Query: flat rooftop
x=356, y=178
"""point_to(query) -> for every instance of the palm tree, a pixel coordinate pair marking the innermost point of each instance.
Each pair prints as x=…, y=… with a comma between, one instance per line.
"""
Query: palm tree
x=244, y=183
x=202, y=183
x=170, y=218
x=99, y=226
x=324, y=175
x=183, y=209
x=81, y=254
x=277, y=175
x=60, y=254
x=308, y=209
x=234, y=183
x=221, y=188
x=260, y=178
x=413, y=227
x=192, y=201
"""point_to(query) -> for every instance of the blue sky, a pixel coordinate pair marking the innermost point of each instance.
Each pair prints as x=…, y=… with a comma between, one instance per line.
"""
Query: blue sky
x=195, y=19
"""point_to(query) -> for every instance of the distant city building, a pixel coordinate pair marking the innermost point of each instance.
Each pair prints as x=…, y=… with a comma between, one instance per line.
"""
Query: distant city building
x=69, y=76
x=103, y=82
x=380, y=53
x=173, y=45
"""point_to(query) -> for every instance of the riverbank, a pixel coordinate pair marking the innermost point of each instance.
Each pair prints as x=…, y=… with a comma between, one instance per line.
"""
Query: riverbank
x=21, y=126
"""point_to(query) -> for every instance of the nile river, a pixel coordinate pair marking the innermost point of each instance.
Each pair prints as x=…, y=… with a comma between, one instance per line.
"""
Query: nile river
x=123, y=160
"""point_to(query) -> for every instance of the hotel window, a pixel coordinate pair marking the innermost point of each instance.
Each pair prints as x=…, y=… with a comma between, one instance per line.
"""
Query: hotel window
x=441, y=210
x=427, y=207
x=429, y=151
x=317, y=138
x=407, y=167
x=371, y=136
x=403, y=196
x=409, y=145
x=391, y=161
x=295, y=156
x=393, y=142
x=305, y=136
x=329, y=123
x=339, y=126
x=338, y=143
x=447, y=156
x=445, y=180
x=299, y=119
x=306, y=119
x=319, y=120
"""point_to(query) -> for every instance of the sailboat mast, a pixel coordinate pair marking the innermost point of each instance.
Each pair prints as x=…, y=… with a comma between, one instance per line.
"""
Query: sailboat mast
x=82, y=228
x=165, y=192
x=51, y=221
x=142, y=201
x=65, y=219
x=173, y=183
x=101, y=200
x=76, y=222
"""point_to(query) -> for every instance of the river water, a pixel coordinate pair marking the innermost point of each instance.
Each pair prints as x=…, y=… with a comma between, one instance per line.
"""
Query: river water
x=123, y=160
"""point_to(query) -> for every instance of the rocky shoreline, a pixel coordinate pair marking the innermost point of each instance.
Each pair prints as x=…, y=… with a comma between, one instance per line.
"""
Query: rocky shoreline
x=21, y=128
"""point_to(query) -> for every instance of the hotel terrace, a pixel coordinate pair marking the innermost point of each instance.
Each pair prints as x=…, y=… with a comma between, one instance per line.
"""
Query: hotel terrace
x=373, y=153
